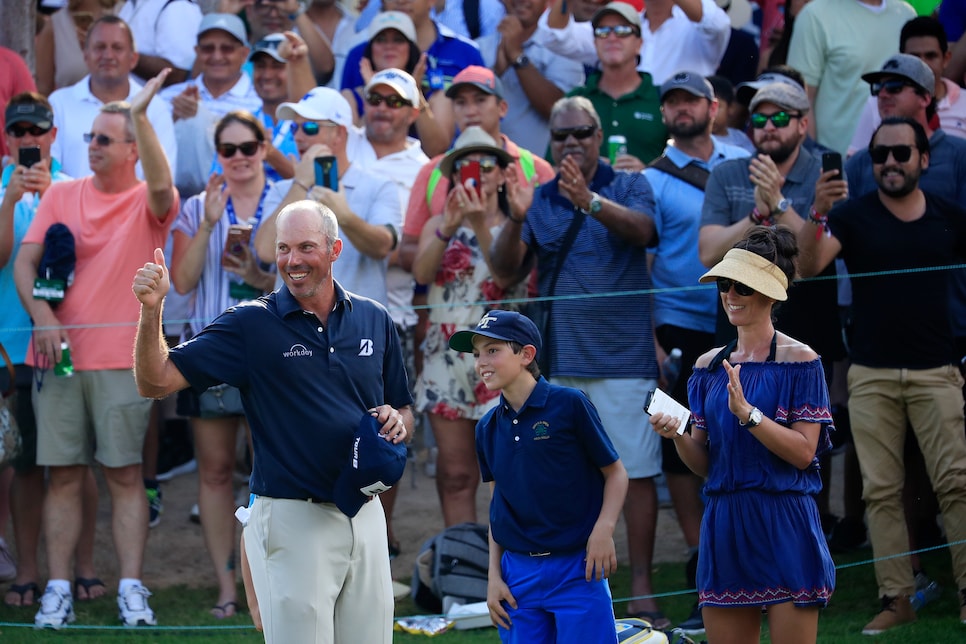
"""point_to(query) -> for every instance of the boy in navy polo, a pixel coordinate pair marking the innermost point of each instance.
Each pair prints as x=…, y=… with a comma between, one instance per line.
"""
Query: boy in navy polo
x=557, y=489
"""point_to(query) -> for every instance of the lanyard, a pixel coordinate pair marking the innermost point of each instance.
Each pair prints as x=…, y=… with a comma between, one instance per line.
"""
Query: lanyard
x=230, y=209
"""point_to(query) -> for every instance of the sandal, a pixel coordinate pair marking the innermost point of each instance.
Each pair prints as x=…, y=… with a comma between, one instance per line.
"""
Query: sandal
x=22, y=590
x=655, y=617
x=228, y=609
x=88, y=583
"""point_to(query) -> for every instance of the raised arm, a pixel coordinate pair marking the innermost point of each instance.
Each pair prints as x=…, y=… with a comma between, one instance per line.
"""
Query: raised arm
x=157, y=172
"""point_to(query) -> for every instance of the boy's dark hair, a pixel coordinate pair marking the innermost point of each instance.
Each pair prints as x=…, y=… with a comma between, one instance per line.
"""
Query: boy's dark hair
x=923, y=27
x=533, y=367
x=724, y=90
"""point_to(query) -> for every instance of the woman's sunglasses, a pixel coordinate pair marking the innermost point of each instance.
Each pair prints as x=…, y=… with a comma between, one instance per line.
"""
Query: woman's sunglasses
x=725, y=284
x=248, y=148
x=880, y=153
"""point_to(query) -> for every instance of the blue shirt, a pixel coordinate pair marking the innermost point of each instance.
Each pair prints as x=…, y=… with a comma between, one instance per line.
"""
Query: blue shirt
x=945, y=177
x=546, y=461
x=304, y=384
x=445, y=58
x=15, y=324
x=595, y=337
x=677, y=267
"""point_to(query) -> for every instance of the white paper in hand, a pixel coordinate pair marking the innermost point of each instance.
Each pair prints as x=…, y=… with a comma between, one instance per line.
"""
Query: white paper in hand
x=661, y=403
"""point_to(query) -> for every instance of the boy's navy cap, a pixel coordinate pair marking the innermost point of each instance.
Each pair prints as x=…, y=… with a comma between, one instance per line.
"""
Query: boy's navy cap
x=691, y=83
x=499, y=325
x=374, y=466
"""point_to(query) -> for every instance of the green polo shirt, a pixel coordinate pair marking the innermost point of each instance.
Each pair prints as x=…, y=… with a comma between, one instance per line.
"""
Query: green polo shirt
x=636, y=115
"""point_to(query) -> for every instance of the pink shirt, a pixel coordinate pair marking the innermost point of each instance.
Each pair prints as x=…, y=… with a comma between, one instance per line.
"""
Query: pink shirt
x=114, y=235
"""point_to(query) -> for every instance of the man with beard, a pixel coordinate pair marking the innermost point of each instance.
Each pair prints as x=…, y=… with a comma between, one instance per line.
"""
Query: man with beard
x=776, y=186
x=903, y=361
x=684, y=318
x=610, y=213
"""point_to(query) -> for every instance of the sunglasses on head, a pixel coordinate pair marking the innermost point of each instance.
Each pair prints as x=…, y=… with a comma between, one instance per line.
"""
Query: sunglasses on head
x=621, y=31
x=880, y=153
x=393, y=101
x=103, y=140
x=579, y=133
x=725, y=284
x=778, y=119
x=893, y=86
x=487, y=164
x=248, y=148
x=19, y=131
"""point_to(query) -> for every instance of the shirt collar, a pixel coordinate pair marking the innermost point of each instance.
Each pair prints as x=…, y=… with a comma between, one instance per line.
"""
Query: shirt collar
x=538, y=398
x=287, y=304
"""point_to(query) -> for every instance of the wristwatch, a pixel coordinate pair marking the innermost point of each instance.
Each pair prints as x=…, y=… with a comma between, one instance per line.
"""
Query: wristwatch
x=754, y=418
x=595, y=204
x=521, y=62
x=781, y=207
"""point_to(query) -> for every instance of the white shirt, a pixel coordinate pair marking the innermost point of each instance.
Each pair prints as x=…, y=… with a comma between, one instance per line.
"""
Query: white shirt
x=677, y=45
x=75, y=109
x=165, y=28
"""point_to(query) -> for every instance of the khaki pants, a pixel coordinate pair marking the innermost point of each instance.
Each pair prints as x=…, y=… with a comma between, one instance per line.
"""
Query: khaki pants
x=880, y=402
x=320, y=576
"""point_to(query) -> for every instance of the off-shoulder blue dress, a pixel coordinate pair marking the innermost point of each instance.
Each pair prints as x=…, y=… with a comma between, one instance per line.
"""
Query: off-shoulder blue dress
x=761, y=534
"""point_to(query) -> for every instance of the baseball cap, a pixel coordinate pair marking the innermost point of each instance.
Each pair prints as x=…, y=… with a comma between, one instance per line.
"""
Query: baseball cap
x=744, y=92
x=908, y=67
x=397, y=20
x=226, y=22
x=34, y=113
x=789, y=96
x=269, y=45
x=400, y=82
x=622, y=9
x=691, y=83
x=480, y=77
x=499, y=325
x=739, y=11
x=375, y=465
x=320, y=104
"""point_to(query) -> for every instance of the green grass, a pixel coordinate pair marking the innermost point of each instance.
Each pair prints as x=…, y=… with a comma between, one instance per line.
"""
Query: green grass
x=183, y=613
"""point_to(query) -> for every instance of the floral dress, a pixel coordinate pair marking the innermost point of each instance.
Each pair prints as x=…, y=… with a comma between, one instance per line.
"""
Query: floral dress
x=459, y=296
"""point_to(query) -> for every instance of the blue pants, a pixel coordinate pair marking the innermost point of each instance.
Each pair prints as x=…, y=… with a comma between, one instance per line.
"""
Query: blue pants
x=554, y=603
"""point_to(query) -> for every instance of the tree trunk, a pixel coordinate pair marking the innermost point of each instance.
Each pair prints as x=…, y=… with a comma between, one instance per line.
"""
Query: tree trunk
x=18, y=26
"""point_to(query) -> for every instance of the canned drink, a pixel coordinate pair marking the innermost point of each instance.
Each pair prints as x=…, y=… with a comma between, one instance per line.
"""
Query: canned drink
x=616, y=146
x=65, y=367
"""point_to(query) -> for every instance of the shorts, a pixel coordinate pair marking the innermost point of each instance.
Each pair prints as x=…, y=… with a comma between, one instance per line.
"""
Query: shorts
x=92, y=416
x=620, y=403
x=22, y=407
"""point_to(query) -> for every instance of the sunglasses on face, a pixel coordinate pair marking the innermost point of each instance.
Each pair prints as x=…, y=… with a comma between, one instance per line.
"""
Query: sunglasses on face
x=390, y=37
x=225, y=49
x=248, y=148
x=621, y=31
x=393, y=101
x=880, y=153
x=778, y=119
x=725, y=284
x=893, y=86
x=19, y=131
x=487, y=164
x=103, y=140
x=579, y=133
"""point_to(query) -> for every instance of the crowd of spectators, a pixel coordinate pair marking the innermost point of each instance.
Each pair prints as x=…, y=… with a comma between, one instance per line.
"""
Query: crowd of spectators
x=617, y=148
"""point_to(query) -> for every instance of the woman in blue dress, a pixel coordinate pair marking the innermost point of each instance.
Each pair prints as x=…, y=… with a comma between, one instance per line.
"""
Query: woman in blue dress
x=761, y=416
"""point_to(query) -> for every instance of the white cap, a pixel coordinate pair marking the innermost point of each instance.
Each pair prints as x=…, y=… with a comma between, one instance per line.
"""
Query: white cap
x=320, y=104
x=401, y=83
x=397, y=20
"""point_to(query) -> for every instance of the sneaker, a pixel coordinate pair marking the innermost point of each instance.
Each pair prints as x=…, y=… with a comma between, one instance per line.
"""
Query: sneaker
x=155, y=505
x=896, y=611
x=56, y=609
x=133, y=607
x=8, y=566
x=184, y=468
x=195, y=515
x=694, y=624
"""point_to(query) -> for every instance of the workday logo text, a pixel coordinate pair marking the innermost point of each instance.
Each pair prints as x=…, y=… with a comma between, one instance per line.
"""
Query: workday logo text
x=297, y=351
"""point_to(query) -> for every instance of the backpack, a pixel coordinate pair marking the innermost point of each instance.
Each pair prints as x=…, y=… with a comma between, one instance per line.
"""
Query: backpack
x=452, y=566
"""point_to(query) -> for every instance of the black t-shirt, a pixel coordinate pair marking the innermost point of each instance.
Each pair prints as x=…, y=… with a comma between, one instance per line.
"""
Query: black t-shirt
x=900, y=320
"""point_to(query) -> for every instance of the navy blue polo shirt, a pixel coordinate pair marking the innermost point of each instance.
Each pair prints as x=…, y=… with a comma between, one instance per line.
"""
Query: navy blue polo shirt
x=304, y=385
x=446, y=57
x=546, y=462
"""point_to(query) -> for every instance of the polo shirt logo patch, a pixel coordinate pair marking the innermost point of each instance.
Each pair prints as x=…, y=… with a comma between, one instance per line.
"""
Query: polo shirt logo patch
x=297, y=351
x=541, y=430
x=643, y=116
x=365, y=347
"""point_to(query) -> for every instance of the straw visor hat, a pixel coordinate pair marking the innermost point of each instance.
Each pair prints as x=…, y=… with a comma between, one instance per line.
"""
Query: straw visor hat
x=752, y=270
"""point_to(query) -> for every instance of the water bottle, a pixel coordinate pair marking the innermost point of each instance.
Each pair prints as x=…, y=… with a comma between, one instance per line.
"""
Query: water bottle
x=672, y=368
x=930, y=592
x=65, y=367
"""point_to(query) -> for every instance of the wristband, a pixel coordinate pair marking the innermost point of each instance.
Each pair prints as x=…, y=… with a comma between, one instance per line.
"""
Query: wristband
x=441, y=237
x=819, y=220
x=759, y=219
x=515, y=220
x=302, y=186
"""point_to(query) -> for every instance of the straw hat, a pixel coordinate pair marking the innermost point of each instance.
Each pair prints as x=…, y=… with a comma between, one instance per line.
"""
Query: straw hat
x=752, y=270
